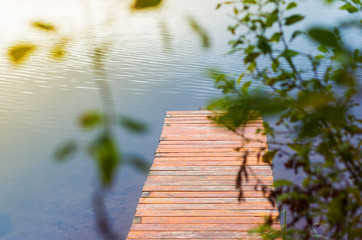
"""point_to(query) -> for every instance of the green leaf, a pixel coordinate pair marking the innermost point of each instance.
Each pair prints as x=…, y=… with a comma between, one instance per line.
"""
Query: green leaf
x=324, y=37
x=289, y=53
x=276, y=37
x=291, y=5
x=269, y=155
x=275, y=65
x=139, y=163
x=58, y=51
x=271, y=19
x=105, y=152
x=344, y=77
x=142, y=4
x=240, y=77
x=90, y=119
x=263, y=44
x=251, y=57
x=63, y=152
x=323, y=49
x=199, y=30
x=319, y=57
x=295, y=147
x=236, y=11
x=282, y=182
x=293, y=19
x=296, y=34
x=44, y=26
x=18, y=53
x=132, y=125
x=350, y=8
x=245, y=87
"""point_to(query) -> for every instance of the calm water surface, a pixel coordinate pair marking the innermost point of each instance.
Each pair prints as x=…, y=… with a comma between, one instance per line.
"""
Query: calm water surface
x=40, y=102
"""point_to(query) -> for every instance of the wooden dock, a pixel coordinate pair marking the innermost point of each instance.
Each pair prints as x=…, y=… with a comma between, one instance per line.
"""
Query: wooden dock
x=190, y=192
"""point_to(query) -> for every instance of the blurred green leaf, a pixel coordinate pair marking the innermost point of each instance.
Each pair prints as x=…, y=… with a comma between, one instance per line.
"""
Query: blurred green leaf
x=275, y=37
x=204, y=36
x=132, y=124
x=323, y=48
x=105, y=152
x=296, y=34
x=282, y=182
x=293, y=19
x=289, y=53
x=90, y=119
x=251, y=57
x=343, y=77
x=245, y=87
x=139, y=163
x=240, y=78
x=324, y=36
x=349, y=7
x=18, y=53
x=142, y=4
x=64, y=151
x=58, y=50
x=44, y=26
x=291, y=5
x=269, y=155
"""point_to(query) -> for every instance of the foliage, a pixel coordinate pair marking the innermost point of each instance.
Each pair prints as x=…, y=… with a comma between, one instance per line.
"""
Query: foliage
x=316, y=132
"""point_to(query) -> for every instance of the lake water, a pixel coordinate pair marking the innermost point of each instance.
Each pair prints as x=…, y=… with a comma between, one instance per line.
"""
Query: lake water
x=41, y=100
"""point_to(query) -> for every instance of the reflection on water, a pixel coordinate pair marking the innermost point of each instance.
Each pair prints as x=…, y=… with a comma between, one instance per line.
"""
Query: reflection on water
x=40, y=102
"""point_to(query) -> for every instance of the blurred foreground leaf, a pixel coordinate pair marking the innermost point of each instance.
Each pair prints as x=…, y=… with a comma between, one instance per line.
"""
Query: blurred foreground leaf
x=64, y=151
x=18, y=53
x=44, y=26
x=324, y=36
x=293, y=19
x=58, y=50
x=204, y=36
x=105, y=152
x=138, y=163
x=90, y=119
x=142, y=4
x=132, y=124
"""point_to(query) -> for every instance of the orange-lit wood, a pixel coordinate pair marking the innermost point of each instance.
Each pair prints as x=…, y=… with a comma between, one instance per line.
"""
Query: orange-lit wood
x=190, y=192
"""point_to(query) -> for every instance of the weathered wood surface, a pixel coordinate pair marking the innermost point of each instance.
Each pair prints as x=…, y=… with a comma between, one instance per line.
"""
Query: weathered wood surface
x=190, y=191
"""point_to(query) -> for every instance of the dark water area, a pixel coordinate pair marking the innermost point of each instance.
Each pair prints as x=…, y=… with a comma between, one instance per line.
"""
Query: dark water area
x=41, y=101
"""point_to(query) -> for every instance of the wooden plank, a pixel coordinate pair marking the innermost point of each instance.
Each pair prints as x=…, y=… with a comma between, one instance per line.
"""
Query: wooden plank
x=206, y=213
x=211, y=159
x=193, y=227
x=206, y=163
x=209, y=206
x=189, y=235
x=204, y=194
x=210, y=168
x=206, y=154
x=202, y=220
x=209, y=147
x=207, y=143
x=201, y=200
x=196, y=188
x=205, y=150
x=204, y=178
x=205, y=183
x=205, y=173
x=190, y=192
